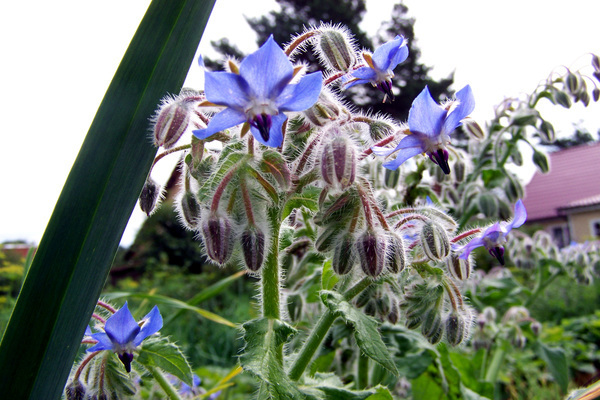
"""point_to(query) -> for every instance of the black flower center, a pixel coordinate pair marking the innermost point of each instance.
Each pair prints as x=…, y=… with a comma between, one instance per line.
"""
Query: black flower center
x=263, y=123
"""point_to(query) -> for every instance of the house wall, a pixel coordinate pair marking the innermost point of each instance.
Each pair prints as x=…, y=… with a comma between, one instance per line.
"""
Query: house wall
x=550, y=226
x=581, y=228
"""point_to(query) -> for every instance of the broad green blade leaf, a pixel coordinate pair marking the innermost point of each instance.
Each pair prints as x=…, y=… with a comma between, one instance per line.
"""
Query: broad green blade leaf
x=154, y=298
x=556, y=360
x=367, y=336
x=167, y=356
x=262, y=356
x=328, y=277
x=80, y=241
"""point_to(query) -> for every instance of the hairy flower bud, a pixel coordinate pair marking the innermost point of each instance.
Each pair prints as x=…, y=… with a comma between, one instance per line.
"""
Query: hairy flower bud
x=488, y=204
x=546, y=130
x=171, y=123
x=75, y=391
x=325, y=238
x=459, y=268
x=218, y=238
x=343, y=255
x=396, y=260
x=326, y=109
x=150, y=196
x=370, y=247
x=392, y=176
x=189, y=210
x=459, y=170
x=253, y=247
x=335, y=50
x=541, y=161
x=338, y=162
x=473, y=128
x=432, y=327
x=394, y=313
x=435, y=241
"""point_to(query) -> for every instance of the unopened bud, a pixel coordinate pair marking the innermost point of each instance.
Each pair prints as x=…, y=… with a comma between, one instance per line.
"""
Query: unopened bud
x=459, y=268
x=489, y=314
x=547, y=131
x=326, y=109
x=253, y=247
x=541, y=161
x=572, y=83
x=518, y=340
x=432, y=327
x=513, y=188
x=435, y=241
x=378, y=129
x=295, y=305
x=75, y=391
x=459, y=170
x=562, y=99
x=396, y=260
x=536, y=328
x=516, y=157
x=150, y=196
x=394, y=313
x=326, y=238
x=473, y=128
x=596, y=94
x=488, y=204
x=335, y=50
x=371, y=253
x=218, y=238
x=392, y=176
x=343, y=255
x=189, y=210
x=371, y=308
x=171, y=123
x=338, y=162
x=455, y=329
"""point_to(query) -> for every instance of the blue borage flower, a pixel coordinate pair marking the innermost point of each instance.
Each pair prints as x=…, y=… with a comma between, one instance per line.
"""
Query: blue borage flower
x=380, y=66
x=494, y=237
x=259, y=94
x=122, y=334
x=430, y=127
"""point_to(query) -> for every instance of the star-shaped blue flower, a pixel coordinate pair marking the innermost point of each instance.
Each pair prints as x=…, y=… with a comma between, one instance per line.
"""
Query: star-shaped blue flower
x=380, y=66
x=494, y=237
x=122, y=334
x=430, y=125
x=259, y=94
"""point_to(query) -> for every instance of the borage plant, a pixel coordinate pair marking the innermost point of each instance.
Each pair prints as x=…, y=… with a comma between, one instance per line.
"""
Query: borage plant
x=283, y=177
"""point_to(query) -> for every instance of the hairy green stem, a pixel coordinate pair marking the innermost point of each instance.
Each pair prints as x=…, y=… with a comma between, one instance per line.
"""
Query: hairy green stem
x=270, y=270
x=495, y=364
x=320, y=330
x=164, y=383
x=362, y=379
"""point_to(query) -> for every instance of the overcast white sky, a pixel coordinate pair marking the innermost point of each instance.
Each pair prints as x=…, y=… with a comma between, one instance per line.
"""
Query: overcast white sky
x=58, y=59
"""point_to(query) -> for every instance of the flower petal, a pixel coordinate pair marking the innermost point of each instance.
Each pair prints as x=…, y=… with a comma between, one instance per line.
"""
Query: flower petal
x=351, y=82
x=153, y=324
x=302, y=95
x=469, y=247
x=465, y=107
x=386, y=54
x=365, y=73
x=121, y=328
x=226, y=89
x=275, y=135
x=223, y=120
x=104, y=342
x=425, y=115
x=267, y=71
x=406, y=142
x=520, y=216
x=403, y=155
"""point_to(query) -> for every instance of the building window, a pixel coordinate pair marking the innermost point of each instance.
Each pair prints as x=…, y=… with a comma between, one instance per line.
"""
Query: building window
x=560, y=234
x=596, y=228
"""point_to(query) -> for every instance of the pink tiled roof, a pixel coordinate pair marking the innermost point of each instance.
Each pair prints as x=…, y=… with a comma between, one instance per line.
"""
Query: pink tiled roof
x=574, y=178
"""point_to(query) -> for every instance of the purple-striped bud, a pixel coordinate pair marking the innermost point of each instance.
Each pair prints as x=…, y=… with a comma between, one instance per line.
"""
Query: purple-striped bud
x=344, y=256
x=370, y=247
x=75, y=391
x=394, y=313
x=458, y=326
x=218, y=238
x=326, y=109
x=253, y=247
x=335, y=49
x=435, y=241
x=396, y=260
x=338, y=162
x=432, y=327
x=150, y=196
x=189, y=210
x=458, y=268
x=172, y=122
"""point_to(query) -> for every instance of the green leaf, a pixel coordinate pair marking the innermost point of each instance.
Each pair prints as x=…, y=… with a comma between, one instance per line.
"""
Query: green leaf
x=492, y=177
x=161, y=353
x=366, y=333
x=328, y=386
x=83, y=234
x=556, y=361
x=169, y=301
x=262, y=354
x=328, y=277
x=309, y=198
